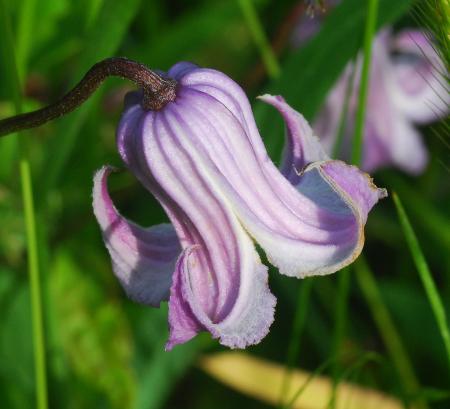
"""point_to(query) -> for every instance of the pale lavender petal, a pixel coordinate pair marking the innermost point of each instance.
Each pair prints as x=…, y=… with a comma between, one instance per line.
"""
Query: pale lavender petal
x=407, y=150
x=357, y=187
x=180, y=69
x=143, y=259
x=405, y=87
x=223, y=89
x=203, y=159
x=225, y=267
x=301, y=147
x=247, y=323
x=183, y=324
x=299, y=236
x=420, y=88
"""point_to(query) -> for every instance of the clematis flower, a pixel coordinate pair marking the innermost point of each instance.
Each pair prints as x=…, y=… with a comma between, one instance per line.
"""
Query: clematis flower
x=203, y=159
x=406, y=87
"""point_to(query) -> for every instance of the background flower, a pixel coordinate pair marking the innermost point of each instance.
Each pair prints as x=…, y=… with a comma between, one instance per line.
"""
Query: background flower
x=407, y=87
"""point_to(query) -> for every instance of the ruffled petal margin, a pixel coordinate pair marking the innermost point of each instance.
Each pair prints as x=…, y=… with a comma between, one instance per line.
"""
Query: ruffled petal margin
x=249, y=320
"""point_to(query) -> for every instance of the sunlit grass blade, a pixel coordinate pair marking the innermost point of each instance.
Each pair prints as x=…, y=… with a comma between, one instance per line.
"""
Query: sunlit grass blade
x=387, y=329
x=425, y=274
x=33, y=268
x=30, y=223
x=261, y=41
x=261, y=379
x=366, y=357
x=298, y=325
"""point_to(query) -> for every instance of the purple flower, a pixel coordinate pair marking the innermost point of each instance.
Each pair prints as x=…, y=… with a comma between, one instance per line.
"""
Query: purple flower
x=203, y=159
x=407, y=87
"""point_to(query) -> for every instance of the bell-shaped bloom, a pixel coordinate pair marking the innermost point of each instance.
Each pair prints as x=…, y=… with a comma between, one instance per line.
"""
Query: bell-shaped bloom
x=407, y=87
x=203, y=159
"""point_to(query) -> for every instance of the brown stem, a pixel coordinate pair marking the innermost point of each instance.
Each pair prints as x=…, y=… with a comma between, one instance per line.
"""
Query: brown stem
x=158, y=92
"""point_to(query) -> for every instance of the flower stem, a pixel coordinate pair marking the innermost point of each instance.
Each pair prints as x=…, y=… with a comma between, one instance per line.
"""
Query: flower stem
x=263, y=45
x=157, y=92
x=372, y=12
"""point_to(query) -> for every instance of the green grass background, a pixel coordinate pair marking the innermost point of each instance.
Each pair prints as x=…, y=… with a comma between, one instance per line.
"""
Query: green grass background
x=103, y=351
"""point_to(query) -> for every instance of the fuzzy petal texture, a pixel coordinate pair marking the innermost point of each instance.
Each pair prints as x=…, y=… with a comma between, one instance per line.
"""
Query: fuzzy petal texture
x=143, y=259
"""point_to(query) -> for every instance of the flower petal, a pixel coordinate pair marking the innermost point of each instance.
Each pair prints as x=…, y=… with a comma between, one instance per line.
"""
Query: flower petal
x=420, y=89
x=143, y=259
x=300, y=235
x=407, y=149
x=301, y=147
x=225, y=270
x=248, y=322
x=180, y=69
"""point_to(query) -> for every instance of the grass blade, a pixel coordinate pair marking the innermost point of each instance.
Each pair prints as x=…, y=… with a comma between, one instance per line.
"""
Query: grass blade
x=340, y=327
x=386, y=327
x=24, y=36
x=298, y=325
x=30, y=226
x=261, y=41
x=344, y=278
x=371, y=22
x=8, y=146
x=261, y=379
x=425, y=274
x=33, y=270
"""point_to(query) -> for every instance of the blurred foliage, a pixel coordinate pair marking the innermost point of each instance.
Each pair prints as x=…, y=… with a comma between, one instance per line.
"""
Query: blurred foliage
x=106, y=352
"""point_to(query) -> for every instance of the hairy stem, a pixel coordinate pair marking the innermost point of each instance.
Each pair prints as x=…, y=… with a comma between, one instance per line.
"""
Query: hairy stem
x=157, y=92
